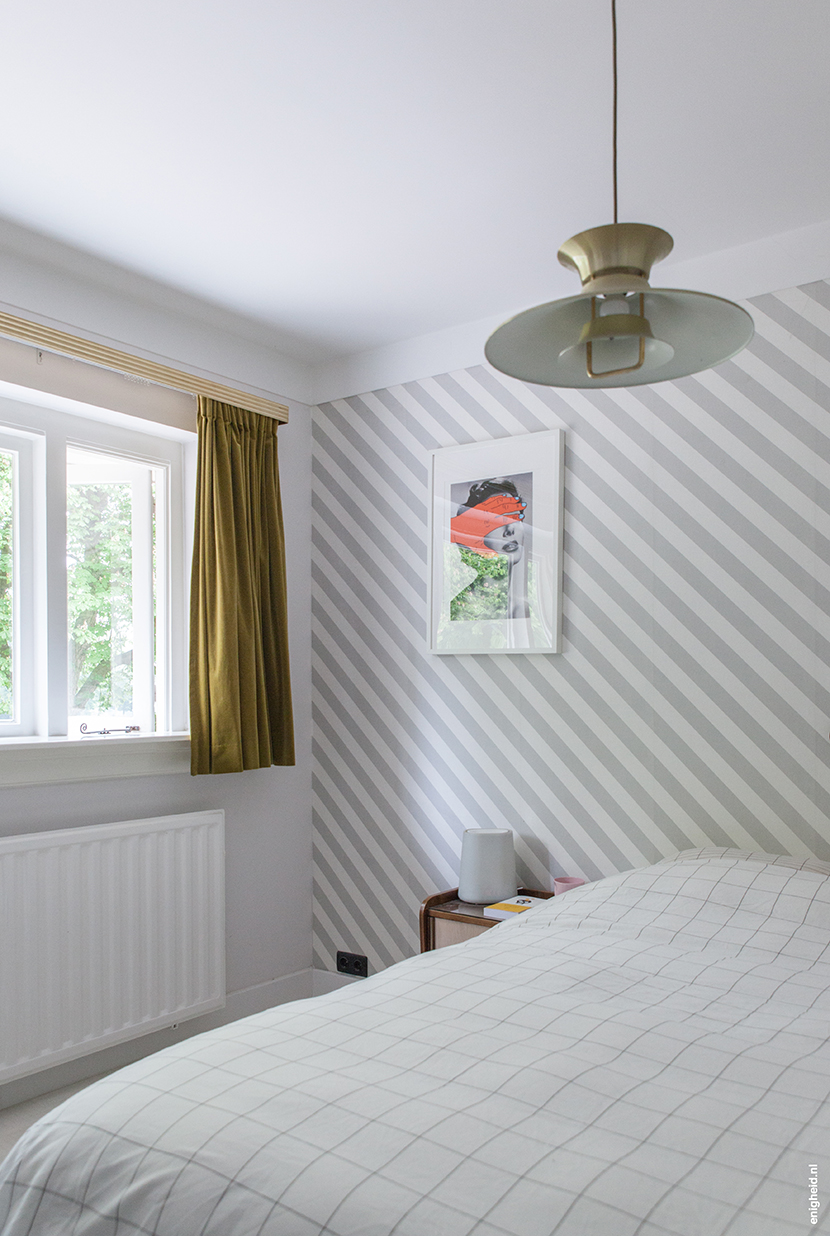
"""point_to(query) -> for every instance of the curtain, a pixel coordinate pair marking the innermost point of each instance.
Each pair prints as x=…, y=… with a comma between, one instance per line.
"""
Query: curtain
x=240, y=691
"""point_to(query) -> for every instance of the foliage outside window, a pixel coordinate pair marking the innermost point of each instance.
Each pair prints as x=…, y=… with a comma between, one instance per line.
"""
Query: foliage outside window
x=99, y=591
x=92, y=590
x=6, y=585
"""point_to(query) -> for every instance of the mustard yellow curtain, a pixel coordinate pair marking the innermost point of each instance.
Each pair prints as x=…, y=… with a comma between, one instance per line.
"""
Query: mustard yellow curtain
x=240, y=691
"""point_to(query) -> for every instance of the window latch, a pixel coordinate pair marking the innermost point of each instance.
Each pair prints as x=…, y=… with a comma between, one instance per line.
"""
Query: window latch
x=128, y=729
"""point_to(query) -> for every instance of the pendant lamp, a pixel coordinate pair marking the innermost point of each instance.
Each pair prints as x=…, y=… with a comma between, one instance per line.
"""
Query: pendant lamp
x=619, y=331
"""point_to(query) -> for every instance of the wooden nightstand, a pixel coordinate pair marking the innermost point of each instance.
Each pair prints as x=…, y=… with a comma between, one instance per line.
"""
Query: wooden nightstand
x=446, y=920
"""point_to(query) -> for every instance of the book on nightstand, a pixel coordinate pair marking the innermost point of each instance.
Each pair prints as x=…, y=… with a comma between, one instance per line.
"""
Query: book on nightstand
x=512, y=906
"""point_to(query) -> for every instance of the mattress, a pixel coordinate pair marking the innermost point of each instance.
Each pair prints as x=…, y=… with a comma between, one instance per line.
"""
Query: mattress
x=647, y=1054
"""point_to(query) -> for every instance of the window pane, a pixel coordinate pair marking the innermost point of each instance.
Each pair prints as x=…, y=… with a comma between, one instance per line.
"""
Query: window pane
x=7, y=548
x=111, y=594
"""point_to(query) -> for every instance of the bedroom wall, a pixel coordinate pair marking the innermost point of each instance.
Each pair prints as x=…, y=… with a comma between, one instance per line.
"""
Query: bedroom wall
x=267, y=822
x=59, y=285
x=268, y=811
x=690, y=705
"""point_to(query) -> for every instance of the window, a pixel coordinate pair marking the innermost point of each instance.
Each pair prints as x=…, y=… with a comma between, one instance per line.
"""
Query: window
x=92, y=573
x=8, y=589
x=116, y=559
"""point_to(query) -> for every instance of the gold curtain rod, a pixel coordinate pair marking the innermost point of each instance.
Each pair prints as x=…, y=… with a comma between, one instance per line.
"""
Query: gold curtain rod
x=124, y=362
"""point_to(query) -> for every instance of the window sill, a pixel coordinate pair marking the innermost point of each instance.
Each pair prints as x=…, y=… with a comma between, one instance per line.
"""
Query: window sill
x=38, y=761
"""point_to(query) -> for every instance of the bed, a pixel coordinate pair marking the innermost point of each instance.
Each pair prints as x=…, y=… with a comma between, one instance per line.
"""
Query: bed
x=647, y=1054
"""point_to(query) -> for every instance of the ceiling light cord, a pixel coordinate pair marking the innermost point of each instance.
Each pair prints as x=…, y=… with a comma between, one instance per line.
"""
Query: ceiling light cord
x=614, y=59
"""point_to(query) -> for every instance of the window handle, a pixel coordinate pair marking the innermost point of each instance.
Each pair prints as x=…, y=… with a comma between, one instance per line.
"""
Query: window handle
x=128, y=729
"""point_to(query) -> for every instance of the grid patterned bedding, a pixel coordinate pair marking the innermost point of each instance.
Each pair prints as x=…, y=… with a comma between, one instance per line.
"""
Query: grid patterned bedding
x=646, y=1055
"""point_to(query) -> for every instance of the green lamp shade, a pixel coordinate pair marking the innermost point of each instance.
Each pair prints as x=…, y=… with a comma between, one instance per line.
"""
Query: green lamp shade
x=572, y=342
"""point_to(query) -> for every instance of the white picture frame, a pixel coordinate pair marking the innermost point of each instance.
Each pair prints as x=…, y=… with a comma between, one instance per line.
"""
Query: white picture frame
x=495, y=562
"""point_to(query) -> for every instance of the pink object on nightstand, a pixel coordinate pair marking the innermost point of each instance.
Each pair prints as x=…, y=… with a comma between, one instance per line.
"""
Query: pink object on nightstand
x=565, y=882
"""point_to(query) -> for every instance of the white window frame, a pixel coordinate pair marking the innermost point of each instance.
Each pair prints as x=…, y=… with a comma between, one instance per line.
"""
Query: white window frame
x=26, y=587
x=41, y=426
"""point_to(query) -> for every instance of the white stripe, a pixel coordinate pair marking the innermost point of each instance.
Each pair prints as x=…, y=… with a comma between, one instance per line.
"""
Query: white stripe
x=384, y=910
x=786, y=342
x=373, y=486
x=347, y=923
x=444, y=435
x=508, y=420
x=722, y=723
x=374, y=724
x=377, y=552
x=467, y=706
x=812, y=311
x=746, y=604
x=702, y=515
x=365, y=425
x=770, y=477
x=398, y=807
x=465, y=420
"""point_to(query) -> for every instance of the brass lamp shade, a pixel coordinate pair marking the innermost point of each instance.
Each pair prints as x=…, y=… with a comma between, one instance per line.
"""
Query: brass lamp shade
x=619, y=331
x=616, y=256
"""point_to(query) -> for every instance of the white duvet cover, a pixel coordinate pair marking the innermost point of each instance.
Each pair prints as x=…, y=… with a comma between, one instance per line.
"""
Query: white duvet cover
x=647, y=1054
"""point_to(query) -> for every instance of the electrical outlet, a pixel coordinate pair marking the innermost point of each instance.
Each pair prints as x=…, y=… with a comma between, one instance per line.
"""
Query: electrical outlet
x=352, y=963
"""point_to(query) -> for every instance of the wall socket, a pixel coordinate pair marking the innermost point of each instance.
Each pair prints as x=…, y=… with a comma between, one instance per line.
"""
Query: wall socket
x=352, y=963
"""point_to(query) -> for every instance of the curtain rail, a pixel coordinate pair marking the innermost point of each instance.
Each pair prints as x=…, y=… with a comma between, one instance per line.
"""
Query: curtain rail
x=52, y=340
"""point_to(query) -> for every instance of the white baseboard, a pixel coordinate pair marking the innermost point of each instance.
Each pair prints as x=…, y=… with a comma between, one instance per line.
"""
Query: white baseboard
x=297, y=986
x=324, y=981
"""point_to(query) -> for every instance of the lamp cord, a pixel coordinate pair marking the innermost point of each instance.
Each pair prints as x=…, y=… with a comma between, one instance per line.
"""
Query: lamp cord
x=614, y=58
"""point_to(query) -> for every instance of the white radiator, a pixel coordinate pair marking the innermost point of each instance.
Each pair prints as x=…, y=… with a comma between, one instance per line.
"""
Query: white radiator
x=106, y=933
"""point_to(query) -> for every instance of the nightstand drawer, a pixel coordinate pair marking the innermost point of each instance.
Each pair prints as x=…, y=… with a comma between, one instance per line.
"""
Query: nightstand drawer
x=445, y=931
x=445, y=920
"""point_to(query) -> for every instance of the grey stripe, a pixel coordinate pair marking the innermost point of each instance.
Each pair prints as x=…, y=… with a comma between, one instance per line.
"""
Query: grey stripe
x=409, y=422
x=325, y=948
x=372, y=770
x=674, y=514
x=389, y=468
x=441, y=415
x=372, y=510
x=737, y=478
x=819, y=292
x=356, y=860
x=388, y=430
x=730, y=798
x=372, y=575
x=805, y=382
x=812, y=486
x=794, y=324
x=483, y=416
x=487, y=382
x=401, y=705
x=732, y=614
x=502, y=807
x=495, y=738
x=353, y=749
x=371, y=942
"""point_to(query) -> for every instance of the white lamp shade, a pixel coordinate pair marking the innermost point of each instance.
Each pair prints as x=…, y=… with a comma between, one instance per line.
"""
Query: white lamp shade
x=488, y=866
x=542, y=344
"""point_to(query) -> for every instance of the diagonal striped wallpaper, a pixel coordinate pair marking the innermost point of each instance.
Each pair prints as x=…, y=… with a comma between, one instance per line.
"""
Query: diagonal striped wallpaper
x=691, y=703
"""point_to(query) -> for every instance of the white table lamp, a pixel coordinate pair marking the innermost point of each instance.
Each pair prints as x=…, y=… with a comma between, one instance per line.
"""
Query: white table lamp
x=488, y=866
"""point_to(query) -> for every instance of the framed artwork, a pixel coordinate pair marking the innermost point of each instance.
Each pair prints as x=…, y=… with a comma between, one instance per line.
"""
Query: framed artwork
x=496, y=545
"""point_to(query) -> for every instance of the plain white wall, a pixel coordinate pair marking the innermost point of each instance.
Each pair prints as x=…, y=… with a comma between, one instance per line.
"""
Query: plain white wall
x=44, y=279
x=268, y=811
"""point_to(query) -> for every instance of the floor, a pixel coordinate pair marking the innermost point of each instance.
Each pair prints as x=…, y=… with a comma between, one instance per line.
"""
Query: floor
x=14, y=1121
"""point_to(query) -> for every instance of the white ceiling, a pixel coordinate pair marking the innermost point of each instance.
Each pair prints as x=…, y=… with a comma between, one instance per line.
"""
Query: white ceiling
x=354, y=172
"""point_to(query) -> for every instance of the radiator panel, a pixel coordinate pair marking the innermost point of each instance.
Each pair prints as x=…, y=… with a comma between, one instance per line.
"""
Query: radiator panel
x=106, y=933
